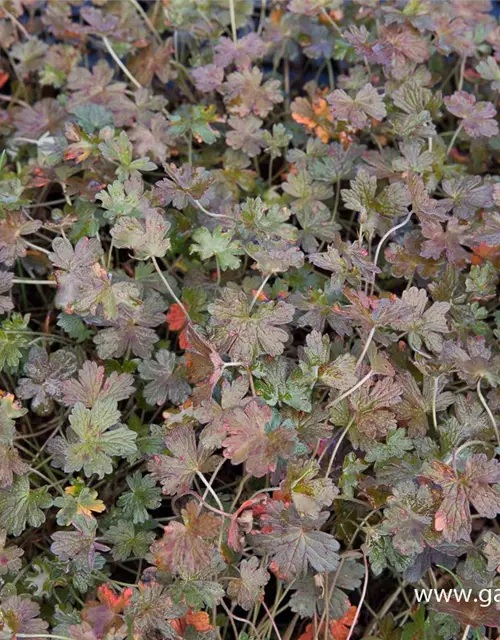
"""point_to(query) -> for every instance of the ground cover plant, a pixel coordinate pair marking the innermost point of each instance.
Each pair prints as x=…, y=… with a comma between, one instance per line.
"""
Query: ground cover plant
x=249, y=321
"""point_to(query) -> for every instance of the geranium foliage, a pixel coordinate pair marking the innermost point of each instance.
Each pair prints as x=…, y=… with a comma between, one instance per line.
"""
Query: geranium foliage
x=249, y=319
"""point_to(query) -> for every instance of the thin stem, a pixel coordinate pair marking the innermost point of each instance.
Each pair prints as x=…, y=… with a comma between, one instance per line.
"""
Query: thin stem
x=35, y=247
x=209, y=213
x=190, y=147
x=362, y=599
x=466, y=632
x=42, y=635
x=275, y=627
x=112, y=53
x=110, y=255
x=384, y=238
x=217, y=265
x=366, y=347
x=146, y=19
x=286, y=80
x=434, y=399
x=488, y=410
x=214, y=475
x=337, y=447
x=262, y=16
x=51, y=283
x=259, y=291
x=452, y=141
x=331, y=77
x=240, y=490
x=233, y=20
x=332, y=22
x=210, y=490
x=463, y=446
x=337, y=199
x=17, y=23
x=169, y=288
x=461, y=76
x=270, y=174
x=347, y=393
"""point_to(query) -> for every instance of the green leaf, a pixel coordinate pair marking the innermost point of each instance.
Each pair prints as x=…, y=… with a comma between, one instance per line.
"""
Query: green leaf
x=396, y=446
x=92, y=117
x=21, y=506
x=143, y=495
x=14, y=338
x=195, y=120
x=128, y=541
x=218, y=244
x=118, y=150
x=196, y=593
x=74, y=327
x=92, y=440
x=121, y=199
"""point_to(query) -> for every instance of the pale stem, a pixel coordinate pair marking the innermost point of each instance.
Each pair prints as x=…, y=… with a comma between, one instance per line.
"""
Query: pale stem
x=42, y=635
x=275, y=627
x=146, y=19
x=434, y=398
x=466, y=632
x=335, y=451
x=210, y=490
x=233, y=20
x=112, y=53
x=488, y=410
x=347, y=393
x=51, y=283
x=362, y=599
x=209, y=213
x=461, y=77
x=35, y=247
x=214, y=475
x=169, y=288
x=366, y=347
x=259, y=291
x=463, y=446
x=332, y=22
x=452, y=141
x=384, y=238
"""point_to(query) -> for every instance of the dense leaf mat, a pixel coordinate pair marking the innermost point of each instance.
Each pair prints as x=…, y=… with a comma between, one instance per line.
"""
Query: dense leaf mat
x=249, y=319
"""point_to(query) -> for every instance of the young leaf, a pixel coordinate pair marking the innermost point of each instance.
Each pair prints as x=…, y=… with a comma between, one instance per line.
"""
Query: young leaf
x=217, y=244
x=21, y=506
x=143, y=494
x=128, y=541
x=93, y=438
